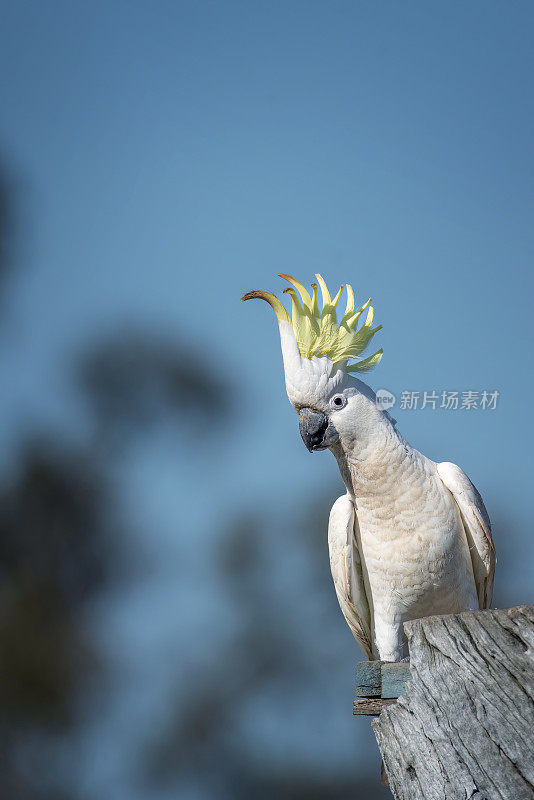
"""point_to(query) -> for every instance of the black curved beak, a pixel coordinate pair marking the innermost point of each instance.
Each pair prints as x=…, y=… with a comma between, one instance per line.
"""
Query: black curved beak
x=317, y=431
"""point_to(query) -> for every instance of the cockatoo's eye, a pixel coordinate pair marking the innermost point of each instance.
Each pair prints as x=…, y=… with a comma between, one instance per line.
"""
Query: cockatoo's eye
x=338, y=401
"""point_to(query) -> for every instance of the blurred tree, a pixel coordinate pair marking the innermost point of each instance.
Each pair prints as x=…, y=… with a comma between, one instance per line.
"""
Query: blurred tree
x=135, y=379
x=202, y=746
x=53, y=521
x=58, y=549
x=55, y=541
x=7, y=219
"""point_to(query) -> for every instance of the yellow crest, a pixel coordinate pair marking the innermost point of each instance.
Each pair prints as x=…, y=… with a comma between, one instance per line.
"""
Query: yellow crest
x=317, y=332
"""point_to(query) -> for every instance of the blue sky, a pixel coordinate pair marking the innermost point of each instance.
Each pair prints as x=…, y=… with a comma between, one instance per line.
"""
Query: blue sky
x=173, y=155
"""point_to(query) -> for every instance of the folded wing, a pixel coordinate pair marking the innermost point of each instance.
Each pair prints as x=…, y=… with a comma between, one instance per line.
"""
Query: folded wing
x=346, y=569
x=477, y=527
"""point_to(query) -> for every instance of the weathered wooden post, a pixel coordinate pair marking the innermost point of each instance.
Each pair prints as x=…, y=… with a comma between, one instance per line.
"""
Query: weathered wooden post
x=464, y=727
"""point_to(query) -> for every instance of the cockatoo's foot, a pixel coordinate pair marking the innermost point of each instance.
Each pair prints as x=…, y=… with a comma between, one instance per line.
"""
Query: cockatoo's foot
x=391, y=657
x=389, y=640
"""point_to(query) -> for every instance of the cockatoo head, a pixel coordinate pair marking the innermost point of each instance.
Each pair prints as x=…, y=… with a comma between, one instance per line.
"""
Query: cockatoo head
x=320, y=356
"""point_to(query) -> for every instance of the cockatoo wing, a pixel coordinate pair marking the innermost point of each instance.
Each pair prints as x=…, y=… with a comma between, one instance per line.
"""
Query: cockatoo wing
x=346, y=569
x=477, y=527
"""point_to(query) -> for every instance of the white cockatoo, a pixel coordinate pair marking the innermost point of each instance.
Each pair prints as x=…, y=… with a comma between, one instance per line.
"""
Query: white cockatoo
x=410, y=537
